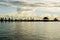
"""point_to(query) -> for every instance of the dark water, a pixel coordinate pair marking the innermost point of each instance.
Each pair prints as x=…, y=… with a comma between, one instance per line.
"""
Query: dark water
x=29, y=30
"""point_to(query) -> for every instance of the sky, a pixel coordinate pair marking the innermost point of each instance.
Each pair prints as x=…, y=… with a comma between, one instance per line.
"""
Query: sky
x=30, y=6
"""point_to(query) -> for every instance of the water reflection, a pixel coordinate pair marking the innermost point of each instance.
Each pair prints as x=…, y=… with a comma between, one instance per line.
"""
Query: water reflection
x=29, y=31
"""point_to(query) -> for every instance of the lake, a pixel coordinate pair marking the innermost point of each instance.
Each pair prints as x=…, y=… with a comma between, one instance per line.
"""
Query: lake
x=29, y=30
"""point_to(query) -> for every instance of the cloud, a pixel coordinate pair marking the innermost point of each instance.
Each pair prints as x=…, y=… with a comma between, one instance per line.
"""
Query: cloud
x=32, y=3
x=26, y=6
x=22, y=3
x=41, y=0
x=1, y=0
x=22, y=7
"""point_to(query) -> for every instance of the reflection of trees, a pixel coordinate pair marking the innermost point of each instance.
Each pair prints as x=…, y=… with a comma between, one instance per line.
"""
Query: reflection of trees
x=45, y=18
x=55, y=19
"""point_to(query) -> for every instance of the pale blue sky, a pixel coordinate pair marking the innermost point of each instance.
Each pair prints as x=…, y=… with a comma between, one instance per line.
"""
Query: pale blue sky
x=6, y=9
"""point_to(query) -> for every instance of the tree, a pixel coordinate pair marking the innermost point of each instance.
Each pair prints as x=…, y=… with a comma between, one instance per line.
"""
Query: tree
x=2, y=19
x=45, y=18
x=55, y=19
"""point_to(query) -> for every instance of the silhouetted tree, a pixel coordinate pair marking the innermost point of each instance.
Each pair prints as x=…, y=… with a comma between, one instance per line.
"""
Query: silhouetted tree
x=55, y=19
x=9, y=19
x=45, y=18
x=15, y=19
x=2, y=19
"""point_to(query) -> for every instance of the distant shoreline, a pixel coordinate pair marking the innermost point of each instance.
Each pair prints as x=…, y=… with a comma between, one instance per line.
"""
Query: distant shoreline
x=29, y=20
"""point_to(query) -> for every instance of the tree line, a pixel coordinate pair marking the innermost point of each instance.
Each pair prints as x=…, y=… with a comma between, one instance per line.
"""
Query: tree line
x=9, y=19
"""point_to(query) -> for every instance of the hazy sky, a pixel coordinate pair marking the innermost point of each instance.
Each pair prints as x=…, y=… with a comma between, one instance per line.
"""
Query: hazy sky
x=40, y=0
x=9, y=6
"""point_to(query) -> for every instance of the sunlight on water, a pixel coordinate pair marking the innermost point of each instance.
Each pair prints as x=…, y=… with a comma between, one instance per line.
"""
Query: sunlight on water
x=29, y=30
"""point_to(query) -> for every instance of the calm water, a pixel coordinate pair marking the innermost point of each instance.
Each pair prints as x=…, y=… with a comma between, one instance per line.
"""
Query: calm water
x=29, y=30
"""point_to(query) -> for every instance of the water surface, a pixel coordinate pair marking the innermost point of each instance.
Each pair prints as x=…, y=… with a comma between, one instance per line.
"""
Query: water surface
x=29, y=30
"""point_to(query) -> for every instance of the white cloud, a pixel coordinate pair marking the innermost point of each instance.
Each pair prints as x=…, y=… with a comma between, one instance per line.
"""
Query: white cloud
x=30, y=3
x=29, y=6
x=33, y=1
x=53, y=9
